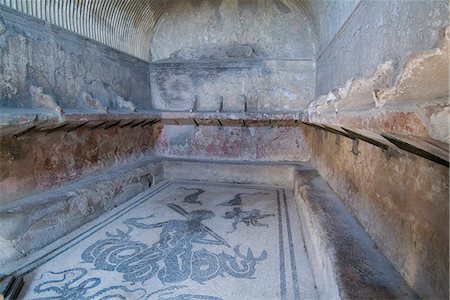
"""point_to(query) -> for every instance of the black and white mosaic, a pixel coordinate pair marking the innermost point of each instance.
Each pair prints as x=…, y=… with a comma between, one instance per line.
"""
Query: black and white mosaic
x=182, y=240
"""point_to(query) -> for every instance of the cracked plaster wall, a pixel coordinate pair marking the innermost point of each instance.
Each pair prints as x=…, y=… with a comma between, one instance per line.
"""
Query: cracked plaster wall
x=33, y=52
x=399, y=198
x=253, y=143
x=377, y=32
x=41, y=161
x=231, y=51
x=390, y=57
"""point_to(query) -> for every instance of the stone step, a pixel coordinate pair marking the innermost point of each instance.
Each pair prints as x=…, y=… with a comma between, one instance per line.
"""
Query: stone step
x=265, y=173
x=345, y=261
x=33, y=222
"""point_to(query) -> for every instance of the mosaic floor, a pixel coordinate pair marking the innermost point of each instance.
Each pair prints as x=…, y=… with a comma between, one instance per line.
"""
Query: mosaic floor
x=183, y=241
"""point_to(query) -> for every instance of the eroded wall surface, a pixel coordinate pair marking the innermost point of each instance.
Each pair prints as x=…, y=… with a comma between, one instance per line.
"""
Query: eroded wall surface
x=44, y=160
x=41, y=161
x=33, y=52
x=376, y=32
x=237, y=143
x=213, y=51
x=399, y=198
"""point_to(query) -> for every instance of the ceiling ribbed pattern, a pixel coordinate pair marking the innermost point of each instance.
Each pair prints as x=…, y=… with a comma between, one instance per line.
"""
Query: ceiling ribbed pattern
x=126, y=25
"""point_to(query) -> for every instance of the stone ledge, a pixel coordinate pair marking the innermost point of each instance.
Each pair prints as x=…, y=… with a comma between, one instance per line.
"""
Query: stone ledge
x=31, y=223
x=425, y=147
x=410, y=119
x=345, y=260
x=16, y=122
x=266, y=173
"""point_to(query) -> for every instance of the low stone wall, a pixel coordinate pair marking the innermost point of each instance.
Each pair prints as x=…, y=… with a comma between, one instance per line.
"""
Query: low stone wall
x=245, y=143
x=274, y=174
x=400, y=199
x=34, y=222
x=345, y=261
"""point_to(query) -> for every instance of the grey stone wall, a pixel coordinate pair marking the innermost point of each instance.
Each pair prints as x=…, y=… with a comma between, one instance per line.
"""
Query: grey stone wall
x=327, y=18
x=266, y=85
x=400, y=199
x=376, y=32
x=64, y=64
x=259, y=51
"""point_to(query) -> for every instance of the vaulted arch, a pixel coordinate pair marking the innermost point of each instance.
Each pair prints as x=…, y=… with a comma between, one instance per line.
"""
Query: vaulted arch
x=127, y=25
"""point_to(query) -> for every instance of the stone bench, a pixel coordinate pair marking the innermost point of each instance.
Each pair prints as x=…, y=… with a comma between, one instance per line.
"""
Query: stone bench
x=31, y=223
x=345, y=261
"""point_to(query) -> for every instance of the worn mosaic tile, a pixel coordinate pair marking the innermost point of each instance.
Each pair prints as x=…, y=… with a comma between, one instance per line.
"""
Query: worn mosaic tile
x=183, y=240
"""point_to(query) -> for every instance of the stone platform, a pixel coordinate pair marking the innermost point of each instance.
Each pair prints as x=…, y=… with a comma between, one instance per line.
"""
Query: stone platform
x=182, y=240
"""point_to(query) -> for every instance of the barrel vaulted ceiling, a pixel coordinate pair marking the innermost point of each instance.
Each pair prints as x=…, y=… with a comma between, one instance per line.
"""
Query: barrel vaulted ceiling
x=127, y=25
